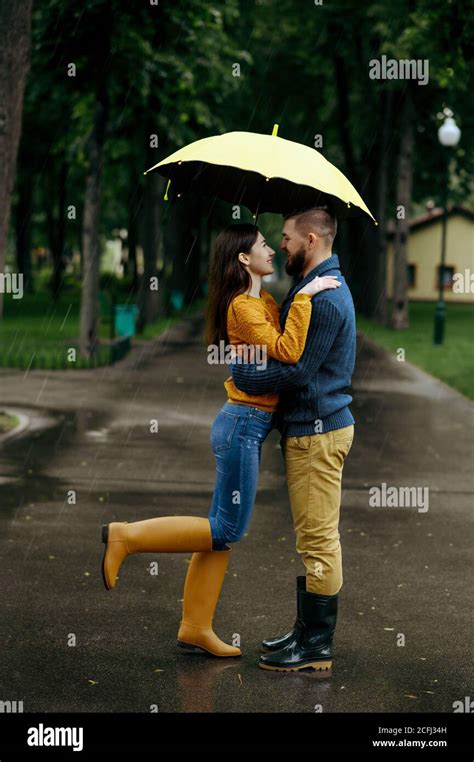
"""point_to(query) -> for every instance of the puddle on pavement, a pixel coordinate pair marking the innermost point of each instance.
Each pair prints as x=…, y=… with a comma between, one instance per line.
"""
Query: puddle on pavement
x=24, y=458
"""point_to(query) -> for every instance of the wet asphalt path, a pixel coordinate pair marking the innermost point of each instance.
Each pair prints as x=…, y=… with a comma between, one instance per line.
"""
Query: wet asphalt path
x=89, y=457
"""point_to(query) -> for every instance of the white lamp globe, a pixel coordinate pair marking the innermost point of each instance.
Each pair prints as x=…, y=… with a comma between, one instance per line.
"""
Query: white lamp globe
x=449, y=133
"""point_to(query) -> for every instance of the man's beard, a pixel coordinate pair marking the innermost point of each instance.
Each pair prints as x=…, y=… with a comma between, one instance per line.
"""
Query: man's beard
x=295, y=267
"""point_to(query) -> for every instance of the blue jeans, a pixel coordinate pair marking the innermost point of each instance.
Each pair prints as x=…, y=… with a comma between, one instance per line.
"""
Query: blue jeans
x=237, y=435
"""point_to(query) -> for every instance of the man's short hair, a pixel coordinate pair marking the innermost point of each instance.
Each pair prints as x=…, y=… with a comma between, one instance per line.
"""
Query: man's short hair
x=318, y=219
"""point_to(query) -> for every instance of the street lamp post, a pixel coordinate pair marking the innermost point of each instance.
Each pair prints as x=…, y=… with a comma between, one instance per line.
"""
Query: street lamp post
x=448, y=135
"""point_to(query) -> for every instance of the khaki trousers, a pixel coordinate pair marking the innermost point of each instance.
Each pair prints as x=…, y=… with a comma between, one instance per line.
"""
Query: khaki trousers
x=314, y=465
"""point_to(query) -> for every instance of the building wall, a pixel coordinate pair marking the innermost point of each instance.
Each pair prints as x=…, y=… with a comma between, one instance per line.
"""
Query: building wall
x=424, y=251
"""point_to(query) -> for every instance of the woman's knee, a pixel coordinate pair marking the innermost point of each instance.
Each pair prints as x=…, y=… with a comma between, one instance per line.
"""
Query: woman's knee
x=230, y=534
x=219, y=545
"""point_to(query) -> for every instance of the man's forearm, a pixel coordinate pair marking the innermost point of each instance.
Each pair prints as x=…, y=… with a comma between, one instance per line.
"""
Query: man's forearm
x=248, y=378
x=280, y=377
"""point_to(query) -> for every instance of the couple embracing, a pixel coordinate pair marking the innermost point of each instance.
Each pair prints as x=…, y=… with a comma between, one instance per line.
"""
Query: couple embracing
x=300, y=390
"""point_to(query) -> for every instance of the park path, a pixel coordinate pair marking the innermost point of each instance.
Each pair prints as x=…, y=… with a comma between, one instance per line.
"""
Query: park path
x=403, y=637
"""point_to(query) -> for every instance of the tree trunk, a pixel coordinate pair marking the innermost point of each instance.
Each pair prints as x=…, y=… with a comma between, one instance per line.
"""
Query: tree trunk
x=60, y=233
x=149, y=299
x=381, y=208
x=179, y=244
x=15, y=37
x=193, y=257
x=131, y=267
x=90, y=232
x=23, y=231
x=205, y=246
x=56, y=222
x=399, y=319
x=343, y=89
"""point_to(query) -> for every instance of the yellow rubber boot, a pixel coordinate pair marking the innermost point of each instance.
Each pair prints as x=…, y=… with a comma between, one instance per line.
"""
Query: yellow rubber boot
x=201, y=592
x=166, y=534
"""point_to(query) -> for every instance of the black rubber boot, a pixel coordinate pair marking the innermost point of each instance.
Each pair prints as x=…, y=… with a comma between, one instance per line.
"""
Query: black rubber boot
x=274, y=644
x=312, y=645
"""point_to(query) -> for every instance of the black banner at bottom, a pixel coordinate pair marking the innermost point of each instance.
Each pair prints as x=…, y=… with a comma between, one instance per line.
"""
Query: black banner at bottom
x=84, y=736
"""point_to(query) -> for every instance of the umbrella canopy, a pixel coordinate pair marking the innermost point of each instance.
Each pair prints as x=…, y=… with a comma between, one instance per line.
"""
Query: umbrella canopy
x=265, y=173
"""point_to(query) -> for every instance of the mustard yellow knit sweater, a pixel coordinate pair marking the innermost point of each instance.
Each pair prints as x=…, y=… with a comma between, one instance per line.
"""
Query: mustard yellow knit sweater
x=254, y=320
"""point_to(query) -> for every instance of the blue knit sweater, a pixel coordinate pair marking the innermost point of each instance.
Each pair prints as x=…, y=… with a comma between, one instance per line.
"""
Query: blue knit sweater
x=313, y=396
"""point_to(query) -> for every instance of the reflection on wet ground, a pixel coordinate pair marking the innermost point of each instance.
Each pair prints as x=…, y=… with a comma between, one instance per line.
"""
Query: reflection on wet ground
x=71, y=646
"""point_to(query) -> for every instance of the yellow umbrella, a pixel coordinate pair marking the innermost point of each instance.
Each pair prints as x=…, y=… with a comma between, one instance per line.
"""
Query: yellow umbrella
x=265, y=173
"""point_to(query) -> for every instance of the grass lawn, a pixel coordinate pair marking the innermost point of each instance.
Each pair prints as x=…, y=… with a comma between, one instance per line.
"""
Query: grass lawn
x=35, y=332
x=7, y=422
x=452, y=362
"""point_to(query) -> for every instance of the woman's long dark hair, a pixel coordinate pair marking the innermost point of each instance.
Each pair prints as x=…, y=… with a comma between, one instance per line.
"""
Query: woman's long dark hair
x=227, y=277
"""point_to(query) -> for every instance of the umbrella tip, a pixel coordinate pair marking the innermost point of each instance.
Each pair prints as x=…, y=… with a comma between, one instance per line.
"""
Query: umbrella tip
x=275, y=129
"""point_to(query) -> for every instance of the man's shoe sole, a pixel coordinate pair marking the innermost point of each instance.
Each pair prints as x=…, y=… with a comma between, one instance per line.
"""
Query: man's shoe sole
x=320, y=666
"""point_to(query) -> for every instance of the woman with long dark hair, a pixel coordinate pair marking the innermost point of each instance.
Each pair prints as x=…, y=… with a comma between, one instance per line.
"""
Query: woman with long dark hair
x=239, y=312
